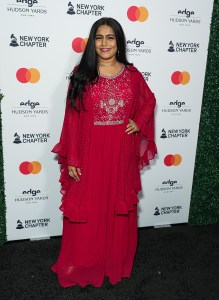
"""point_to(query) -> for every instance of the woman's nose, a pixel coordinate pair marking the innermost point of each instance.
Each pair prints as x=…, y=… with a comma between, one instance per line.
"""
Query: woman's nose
x=104, y=41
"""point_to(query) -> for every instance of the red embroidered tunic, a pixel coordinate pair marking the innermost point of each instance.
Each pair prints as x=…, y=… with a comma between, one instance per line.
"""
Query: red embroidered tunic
x=100, y=212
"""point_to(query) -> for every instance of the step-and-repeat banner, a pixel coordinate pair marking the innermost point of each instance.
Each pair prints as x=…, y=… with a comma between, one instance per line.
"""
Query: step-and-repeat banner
x=41, y=42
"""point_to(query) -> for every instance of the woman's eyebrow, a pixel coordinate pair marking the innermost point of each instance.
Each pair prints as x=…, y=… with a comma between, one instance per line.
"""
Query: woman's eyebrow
x=110, y=34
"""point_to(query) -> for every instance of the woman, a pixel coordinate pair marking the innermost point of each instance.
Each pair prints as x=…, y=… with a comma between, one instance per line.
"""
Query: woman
x=107, y=136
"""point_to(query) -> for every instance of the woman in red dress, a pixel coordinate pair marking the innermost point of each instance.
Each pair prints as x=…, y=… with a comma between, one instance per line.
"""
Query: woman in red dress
x=107, y=136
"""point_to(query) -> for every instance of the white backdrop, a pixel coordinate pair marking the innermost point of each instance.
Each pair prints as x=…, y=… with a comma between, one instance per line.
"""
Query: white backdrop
x=41, y=42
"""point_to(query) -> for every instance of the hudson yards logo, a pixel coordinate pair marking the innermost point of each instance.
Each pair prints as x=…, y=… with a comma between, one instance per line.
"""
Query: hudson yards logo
x=27, y=8
x=177, y=107
x=168, y=186
x=174, y=133
x=30, y=104
x=33, y=223
x=146, y=75
x=186, y=12
x=167, y=210
x=185, y=17
x=137, y=47
x=31, y=196
x=29, y=41
x=29, y=3
x=183, y=47
x=29, y=138
x=85, y=9
x=29, y=109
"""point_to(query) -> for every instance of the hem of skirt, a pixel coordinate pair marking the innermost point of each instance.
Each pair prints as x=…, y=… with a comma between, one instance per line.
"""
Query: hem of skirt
x=116, y=281
x=54, y=269
x=113, y=282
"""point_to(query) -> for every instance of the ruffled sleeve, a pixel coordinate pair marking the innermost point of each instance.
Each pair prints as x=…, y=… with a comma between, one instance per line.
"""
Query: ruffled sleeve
x=67, y=148
x=144, y=118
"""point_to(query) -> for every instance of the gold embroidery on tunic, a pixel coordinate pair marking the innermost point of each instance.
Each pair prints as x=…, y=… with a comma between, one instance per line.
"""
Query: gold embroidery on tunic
x=109, y=122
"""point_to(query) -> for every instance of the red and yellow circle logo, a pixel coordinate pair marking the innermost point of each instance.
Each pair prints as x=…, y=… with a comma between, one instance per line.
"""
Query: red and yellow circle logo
x=79, y=44
x=31, y=75
x=172, y=160
x=135, y=13
x=180, y=77
x=33, y=167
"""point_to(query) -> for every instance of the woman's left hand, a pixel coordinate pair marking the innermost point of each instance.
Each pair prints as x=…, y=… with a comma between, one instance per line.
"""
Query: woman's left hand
x=131, y=127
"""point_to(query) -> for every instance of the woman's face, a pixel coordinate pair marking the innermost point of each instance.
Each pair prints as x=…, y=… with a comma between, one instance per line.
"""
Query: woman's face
x=105, y=43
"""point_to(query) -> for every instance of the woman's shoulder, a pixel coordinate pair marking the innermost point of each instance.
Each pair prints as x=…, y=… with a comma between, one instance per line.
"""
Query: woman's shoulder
x=133, y=69
x=134, y=72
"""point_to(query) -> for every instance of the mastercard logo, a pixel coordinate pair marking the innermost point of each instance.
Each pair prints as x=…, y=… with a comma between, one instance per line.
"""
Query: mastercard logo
x=172, y=160
x=180, y=77
x=33, y=167
x=79, y=44
x=31, y=75
x=135, y=13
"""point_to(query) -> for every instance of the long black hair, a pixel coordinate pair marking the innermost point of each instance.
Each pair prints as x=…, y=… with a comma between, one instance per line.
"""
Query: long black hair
x=86, y=72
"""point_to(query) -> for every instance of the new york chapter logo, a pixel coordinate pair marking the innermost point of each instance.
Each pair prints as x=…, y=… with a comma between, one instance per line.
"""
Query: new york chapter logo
x=139, y=14
x=85, y=9
x=34, y=223
x=29, y=41
x=183, y=47
x=31, y=138
x=174, y=133
x=167, y=210
x=146, y=75
x=25, y=75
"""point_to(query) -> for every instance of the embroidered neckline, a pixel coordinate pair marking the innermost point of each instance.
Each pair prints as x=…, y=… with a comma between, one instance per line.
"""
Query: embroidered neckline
x=115, y=75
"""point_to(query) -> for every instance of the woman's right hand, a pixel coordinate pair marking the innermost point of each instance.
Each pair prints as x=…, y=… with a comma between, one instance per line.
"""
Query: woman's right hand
x=74, y=172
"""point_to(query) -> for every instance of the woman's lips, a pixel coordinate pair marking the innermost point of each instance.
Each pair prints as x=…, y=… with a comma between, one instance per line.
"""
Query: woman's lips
x=104, y=49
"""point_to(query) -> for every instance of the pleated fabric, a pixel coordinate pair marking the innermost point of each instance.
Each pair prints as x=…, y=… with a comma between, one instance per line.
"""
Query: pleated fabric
x=106, y=244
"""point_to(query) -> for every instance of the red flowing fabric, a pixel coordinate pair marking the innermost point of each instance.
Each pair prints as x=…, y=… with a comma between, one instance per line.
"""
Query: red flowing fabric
x=100, y=211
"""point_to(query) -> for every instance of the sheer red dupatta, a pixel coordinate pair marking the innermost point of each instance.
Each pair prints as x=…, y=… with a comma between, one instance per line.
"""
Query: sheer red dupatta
x=67, y=148
x=144, y=117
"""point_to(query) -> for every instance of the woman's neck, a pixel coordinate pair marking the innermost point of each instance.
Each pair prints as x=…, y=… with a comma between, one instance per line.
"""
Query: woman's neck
x=107, y=63
x=109, y=69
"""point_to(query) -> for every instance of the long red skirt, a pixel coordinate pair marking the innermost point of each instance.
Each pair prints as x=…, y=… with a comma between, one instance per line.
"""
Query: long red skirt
x=106, y=244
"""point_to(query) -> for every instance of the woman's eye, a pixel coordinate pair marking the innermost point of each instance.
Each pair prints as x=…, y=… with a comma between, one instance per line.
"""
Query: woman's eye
x=98, y=38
